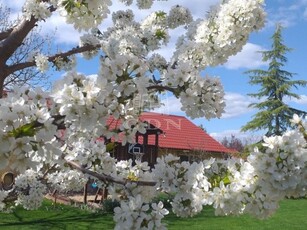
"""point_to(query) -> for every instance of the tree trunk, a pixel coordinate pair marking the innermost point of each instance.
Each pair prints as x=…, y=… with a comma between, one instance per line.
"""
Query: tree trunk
x=277, y=126
x=85, y=193
x=2, y=78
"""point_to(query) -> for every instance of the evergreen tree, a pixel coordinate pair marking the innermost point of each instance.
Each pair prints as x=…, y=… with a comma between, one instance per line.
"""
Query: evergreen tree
x=276, y=86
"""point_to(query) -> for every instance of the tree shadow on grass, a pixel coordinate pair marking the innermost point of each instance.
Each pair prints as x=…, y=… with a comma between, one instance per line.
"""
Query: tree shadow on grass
x=63, y=219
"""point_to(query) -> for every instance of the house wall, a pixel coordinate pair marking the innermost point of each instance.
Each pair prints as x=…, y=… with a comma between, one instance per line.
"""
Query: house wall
x=150, y=153
x=192, y=155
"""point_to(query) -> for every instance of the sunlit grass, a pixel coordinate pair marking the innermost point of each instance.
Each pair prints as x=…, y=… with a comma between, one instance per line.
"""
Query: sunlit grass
x=55, y=217
x=292, y=215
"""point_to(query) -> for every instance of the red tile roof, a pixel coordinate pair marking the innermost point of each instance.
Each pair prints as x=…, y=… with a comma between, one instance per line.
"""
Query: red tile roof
x=177, y=133
x=181, y=133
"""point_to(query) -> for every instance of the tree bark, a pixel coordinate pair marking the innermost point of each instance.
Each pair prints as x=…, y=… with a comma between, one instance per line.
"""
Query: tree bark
x=106, y=178
x=2, y=78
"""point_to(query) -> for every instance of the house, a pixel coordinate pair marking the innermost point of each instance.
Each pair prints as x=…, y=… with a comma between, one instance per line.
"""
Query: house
x=183, y=138
x=165, y=134
x=176, y=135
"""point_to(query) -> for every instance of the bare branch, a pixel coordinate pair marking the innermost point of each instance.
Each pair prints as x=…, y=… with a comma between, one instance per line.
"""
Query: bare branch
x=49, y=170
x=6, y=26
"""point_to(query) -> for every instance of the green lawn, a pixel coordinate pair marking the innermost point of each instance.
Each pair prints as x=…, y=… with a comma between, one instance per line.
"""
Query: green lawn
x=55, y=217
x=291, y=216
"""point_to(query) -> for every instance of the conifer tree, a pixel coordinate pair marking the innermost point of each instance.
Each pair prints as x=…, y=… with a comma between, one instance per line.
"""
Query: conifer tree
x=275, y=86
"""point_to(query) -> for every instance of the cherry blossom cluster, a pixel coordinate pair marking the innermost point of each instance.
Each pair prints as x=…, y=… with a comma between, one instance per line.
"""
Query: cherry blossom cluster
x=211, y=41
x=30, y=190
x=86, y=104
x=41, y=62
x=144, y=4
x=134, y=214
x=91, y=40
x=3, y=195
x=179, y=16
x=187, y=181
x=66, y=180
x=65, y=64
x=28, y=134
x=257, y=185
x=36, y=9
x=136, y=210
x=84, y=14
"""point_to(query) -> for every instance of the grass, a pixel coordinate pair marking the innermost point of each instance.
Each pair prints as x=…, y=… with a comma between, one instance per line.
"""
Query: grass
x=55, y=217
x=292, y=215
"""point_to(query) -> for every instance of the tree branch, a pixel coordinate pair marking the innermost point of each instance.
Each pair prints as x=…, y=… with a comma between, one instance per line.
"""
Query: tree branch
x=106, y=178
x=162, y=88
x=16, y=37
x=5, y=34
x=12, y=42
x=13, y=68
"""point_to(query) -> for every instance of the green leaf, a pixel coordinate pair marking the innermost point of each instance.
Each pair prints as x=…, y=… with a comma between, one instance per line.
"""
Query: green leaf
x=160, y=34
x=110, y=146
x=27, y=130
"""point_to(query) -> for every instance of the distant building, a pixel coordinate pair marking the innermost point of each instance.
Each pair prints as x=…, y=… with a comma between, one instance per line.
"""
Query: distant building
x=176, y=135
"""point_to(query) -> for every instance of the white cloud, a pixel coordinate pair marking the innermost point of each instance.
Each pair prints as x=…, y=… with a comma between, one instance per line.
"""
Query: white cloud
x=246, y=137
x=301, y=101
x=55, y=25
x=249, y=57
x=14, y=5
x=286, y=16
x=198, y=8
x=171, y=105
x=300, y=5
x=15, y=8
x=64, y=33
x=288, y=13
x=92, y=76
x=236, y=105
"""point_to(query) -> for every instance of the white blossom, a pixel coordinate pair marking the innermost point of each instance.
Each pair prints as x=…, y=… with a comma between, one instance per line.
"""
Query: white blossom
x=38, y=10
x=179, y=16
x=3, y=195
x=31, y=191
x=144, y=4
x=41, y=62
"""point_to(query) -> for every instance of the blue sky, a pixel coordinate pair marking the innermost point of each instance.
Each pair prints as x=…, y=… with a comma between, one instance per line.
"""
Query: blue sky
x=293, y=16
